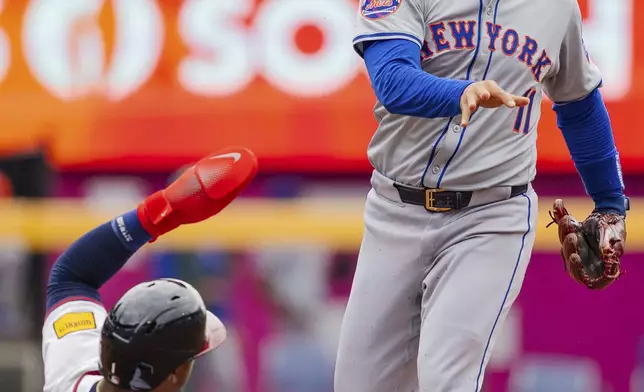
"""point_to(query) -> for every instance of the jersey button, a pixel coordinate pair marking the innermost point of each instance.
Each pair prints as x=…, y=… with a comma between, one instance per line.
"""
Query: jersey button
x=489, y=11
x=435, y=169
x=456, y=128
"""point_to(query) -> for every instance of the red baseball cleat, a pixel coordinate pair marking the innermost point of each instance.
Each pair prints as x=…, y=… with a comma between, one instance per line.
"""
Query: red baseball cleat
x=202, y=191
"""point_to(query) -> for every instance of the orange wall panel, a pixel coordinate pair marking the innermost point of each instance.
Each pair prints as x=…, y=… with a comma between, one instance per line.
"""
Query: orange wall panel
x=103, y=89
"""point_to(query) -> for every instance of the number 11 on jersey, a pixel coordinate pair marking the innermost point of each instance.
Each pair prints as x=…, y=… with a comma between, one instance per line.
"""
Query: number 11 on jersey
x=522, y=123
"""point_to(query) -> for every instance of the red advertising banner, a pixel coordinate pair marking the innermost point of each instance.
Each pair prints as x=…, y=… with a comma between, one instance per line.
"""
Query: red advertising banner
x=151, y=84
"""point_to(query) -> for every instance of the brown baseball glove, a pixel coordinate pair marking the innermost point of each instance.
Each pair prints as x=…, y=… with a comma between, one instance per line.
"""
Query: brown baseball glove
x=591, y=249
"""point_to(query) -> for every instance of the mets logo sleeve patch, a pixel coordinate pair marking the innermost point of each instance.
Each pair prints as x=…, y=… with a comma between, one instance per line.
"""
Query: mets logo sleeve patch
x=74, y=322
x=378, y=9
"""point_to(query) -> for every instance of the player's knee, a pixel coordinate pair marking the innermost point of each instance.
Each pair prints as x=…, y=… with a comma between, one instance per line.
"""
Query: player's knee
x=452, y=364
x=351, y=377
x=450, y=376
x=365, y=375
x=435, y=381
x=345, y=378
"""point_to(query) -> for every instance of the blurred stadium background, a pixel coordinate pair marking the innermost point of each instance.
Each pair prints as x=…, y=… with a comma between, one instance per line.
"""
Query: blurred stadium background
x=101, y=101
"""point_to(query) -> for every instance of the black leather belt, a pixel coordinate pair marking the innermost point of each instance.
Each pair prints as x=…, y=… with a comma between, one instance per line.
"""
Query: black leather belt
x=439, y=200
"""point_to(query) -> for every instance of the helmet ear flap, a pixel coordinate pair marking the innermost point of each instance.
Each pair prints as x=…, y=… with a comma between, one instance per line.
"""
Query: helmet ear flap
x=140, y=380
x=127, y=372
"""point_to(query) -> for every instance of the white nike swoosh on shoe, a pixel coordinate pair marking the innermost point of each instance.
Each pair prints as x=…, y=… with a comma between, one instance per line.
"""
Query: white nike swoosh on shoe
x=234, y=155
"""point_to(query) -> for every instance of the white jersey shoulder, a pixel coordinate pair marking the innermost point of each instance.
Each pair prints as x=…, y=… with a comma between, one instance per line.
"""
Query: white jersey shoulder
x=574, y=74
x=70, y=348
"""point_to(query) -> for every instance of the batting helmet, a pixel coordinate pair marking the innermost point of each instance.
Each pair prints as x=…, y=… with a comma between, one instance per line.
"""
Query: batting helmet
x=152, y=330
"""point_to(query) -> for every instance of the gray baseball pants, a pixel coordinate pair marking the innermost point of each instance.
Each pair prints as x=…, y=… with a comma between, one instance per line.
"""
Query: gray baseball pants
x=431, y=291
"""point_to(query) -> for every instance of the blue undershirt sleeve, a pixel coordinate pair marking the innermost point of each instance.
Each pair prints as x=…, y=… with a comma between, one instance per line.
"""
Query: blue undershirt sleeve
x=586, y=128
x=402, y=86
x=94, y=258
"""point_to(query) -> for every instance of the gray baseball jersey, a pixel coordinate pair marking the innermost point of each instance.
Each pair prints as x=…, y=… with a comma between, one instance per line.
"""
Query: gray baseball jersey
x=477, y=40
x=432, y=289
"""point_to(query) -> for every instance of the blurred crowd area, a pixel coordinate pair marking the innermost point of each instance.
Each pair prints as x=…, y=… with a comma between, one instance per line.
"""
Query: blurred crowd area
x=103, y=103
x=283, y=302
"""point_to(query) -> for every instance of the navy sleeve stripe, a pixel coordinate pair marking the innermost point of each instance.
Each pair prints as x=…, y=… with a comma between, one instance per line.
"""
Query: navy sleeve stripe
x=71, y=299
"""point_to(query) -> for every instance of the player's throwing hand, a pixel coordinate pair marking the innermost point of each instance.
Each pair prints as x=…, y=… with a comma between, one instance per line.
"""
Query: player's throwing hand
x=489, y=95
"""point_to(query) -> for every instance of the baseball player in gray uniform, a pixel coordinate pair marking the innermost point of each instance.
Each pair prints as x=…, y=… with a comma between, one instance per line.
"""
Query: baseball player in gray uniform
x=450, y=219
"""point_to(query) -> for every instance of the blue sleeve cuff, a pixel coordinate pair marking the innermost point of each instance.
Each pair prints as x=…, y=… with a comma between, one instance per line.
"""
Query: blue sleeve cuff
x=603, y=181
x=585, y=125
x=618, y=205
x=129, y=230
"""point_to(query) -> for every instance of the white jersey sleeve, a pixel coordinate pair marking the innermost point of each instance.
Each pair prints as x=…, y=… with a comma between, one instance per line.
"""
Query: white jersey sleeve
x=575, y=74
x=389, y=19
x=70, y=348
